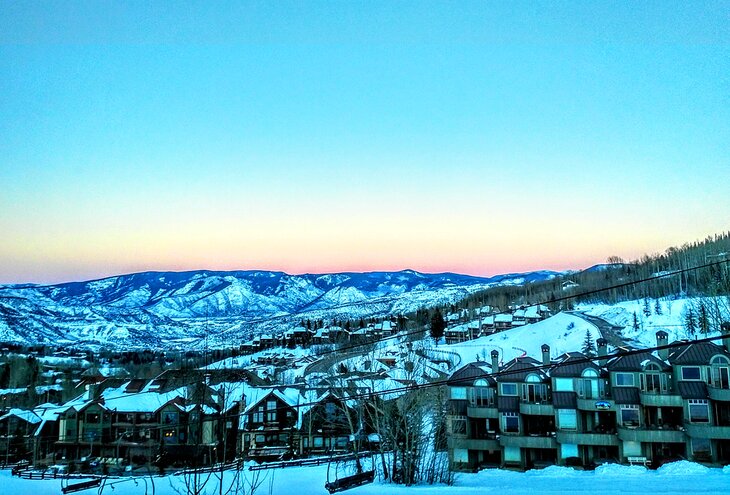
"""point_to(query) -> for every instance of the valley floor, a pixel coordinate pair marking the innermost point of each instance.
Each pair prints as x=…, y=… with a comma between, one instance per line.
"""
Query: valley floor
x=677, y=478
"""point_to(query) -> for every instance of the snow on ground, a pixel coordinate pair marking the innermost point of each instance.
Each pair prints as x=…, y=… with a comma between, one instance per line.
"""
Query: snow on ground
x=621, y=314
x=680, y=478
x=563, y=333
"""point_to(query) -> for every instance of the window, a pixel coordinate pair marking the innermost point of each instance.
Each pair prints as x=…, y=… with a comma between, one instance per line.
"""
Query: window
x=564, y=385
x=482, y=397
x=699, y=411
x=271, y=405
x=458, y=425
x=258, y=416
x=169, y=418
x=624, y=379
x=508, y=388
x=568, y=450
x=630, y=415
x=567, y=419
x=461, y=455
x=701, y=447
x=510, y=423
x=93, y=418
x=652, y=382
x=691, y=373
x=720, y=372
x=458, y=393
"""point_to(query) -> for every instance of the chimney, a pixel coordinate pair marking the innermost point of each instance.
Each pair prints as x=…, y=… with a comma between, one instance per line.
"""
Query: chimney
x=495, y=361
x=725, y=330
x=602, y=345
x=545, y=354
x=662, y=338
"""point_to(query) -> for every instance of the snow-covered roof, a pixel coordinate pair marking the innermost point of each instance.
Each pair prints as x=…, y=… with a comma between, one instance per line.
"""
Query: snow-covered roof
x=23, y=414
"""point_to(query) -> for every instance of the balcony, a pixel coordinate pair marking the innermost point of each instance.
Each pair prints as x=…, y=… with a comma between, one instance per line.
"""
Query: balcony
x=473, y=443
x=577, y=438
x=651, y=435
x=596, y=404
x=716, y=393
x=528, y=442
x=660, y=400
x=482, y=412
x=534, y=409
x=695, y=430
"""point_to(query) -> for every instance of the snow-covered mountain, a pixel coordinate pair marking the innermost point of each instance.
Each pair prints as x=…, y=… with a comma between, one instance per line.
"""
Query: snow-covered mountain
x=159, y=309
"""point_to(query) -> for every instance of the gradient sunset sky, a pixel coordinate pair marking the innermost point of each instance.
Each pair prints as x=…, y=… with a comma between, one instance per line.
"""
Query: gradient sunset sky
x=475, y=137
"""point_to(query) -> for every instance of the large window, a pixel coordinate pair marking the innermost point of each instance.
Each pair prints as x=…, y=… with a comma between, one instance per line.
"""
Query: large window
x=630, y=415
x=563, y=384
x=691, y=373
x=623, y=379
x=508, y=388
x=720, y=372
x=567, y=419
x=458, y=393
x=701, y=448
x=699, y=411
x=652, y=382
x=482, y=396
x=510, y=423
x=458, y=425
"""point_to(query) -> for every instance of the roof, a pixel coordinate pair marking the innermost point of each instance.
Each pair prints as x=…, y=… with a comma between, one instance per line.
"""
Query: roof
x=467, y=375
x=696, y=353
x=625, y=395
x=25, y=415
x=517, y=370
x=692, y=390
x=565, y=400
x=572, y=364
x=635, y=362
x=508, y=404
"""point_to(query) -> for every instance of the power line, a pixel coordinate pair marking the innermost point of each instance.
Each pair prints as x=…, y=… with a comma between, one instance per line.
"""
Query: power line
x=542, y=303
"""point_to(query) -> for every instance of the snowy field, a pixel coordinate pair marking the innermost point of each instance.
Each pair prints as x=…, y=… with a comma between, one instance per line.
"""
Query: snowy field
x=563, y=332
x=676, y=478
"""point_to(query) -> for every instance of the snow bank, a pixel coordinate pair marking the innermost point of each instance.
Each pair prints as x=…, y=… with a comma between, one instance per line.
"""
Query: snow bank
x=619, y=470
x=683, y=468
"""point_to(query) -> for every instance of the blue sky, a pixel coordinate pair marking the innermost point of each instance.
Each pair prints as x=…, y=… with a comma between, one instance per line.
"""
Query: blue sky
x=326, y=136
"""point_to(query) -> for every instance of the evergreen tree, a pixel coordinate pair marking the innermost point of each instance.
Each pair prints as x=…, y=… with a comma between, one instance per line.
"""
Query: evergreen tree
x=636, y=322
x=438, y=325
x=657, y=307
x=690, y=324
x=703, y=320
x=589, y=348
x=647, y=309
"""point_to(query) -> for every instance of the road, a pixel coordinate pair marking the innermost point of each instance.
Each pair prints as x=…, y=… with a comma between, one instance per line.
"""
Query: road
x=609, y=331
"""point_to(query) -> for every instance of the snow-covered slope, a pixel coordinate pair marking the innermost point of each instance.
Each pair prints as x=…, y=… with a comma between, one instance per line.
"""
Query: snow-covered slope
x=563, y=332
x=165, y=308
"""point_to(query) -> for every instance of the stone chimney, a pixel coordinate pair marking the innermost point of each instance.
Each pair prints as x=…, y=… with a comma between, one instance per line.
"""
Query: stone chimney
x=662, y=338
x=602, y=345
x=495, y=361
x=725, y=330
x=545, y=355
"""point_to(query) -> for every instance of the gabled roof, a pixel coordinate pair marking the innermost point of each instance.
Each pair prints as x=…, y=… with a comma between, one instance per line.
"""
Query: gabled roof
x=22, y=414
x=635, y=362
x=572, y=364
x=697, y=353
x=517, y=370
x=467, y=375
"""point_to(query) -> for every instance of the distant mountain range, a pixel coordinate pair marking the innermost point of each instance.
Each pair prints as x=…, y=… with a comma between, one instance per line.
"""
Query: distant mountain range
x=163, y=309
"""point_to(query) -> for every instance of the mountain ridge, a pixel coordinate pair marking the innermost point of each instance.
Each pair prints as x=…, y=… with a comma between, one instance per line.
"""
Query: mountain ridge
x=159, y=308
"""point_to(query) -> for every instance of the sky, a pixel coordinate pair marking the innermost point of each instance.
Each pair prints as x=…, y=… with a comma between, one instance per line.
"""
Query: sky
x=309, y=137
